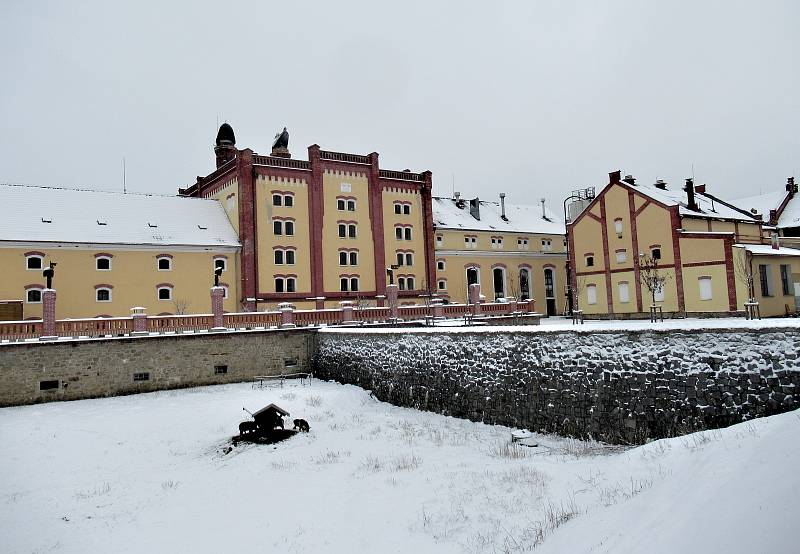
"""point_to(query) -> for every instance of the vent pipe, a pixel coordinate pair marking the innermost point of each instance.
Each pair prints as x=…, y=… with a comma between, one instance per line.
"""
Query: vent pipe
x=503, y=206
x=661, y=184
x=691, y=203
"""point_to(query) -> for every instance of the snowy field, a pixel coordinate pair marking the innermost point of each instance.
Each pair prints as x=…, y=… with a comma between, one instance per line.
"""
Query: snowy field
x=146, y=473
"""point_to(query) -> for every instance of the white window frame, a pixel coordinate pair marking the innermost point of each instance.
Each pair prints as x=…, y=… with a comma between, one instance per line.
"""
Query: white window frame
x=443, y=265
x=622, y=256
x=591, y=294
x=168, y=260
x=623, y=288
x=158, y=294
x=618, y=227
x=110, y=294
x=442, y=284
x=409, y=259
x=224, y=264
x=439, y=240
x=98, y=258
x=27, y=291
x=41, y=262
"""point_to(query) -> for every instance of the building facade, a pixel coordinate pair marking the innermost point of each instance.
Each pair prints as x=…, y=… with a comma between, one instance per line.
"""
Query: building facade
x=113, y=252
x=713, y=256
x=318, y=231
x=511, y=250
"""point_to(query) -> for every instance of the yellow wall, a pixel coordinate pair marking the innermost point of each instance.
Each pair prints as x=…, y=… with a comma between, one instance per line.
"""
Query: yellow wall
x=265, y=211
x=228, y=196
x=133, y=275
x=417, y=242
x=333, y=182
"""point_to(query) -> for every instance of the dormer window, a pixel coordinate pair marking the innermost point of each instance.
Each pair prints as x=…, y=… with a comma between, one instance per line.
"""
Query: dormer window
x=100, y=222
x=152, y=225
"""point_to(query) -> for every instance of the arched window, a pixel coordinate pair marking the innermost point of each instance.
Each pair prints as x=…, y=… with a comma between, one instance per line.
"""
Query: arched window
x=165, y=292
x=164, y=264
x=342, y=258
x=524, y=284
x=499, y=282
x=103, y=294
x=103, y=263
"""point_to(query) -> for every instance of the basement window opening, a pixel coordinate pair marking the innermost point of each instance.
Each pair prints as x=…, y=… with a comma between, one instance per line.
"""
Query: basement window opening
x=143, y=376
x=49, y=385
x=220, y=369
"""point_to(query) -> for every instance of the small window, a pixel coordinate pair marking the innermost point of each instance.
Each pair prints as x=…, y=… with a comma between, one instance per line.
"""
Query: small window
x=289, y=227
x=354, y=284
x=439, y=240
x=288, y=200
x=220, y=369
x=442, y=284
x=401, y=283
x=49, y=385
x=410, y=283
x=279, y=257
x=618, y=227
x=343, y=282
x=706, y=292
x=342, y=258
x=351, y=231
x=144, y=376
x=277, y=199
x=290, y=257
x=34, y=262
x=397, y=209
x=398, y=233
x=658, y=295
x=440, y=265
x=655, y=253
x=624, y=296
x=500, y=243
x=547, y=245
x=400, y=258
x=291, y=284
x=351, y=205
x=342, y=230
x=279, y=284
x=765, y=277
x=277, y=227
x=164, y=293
x=591, y=294
x=353, y=258
x=786, y=271
x=589, y=261
x=340, y=205
x=221, y=263
x=33, y=296
x=407, y=233
x=103, y=264
x=406, y=209
x=409, y=259
x=164, y=264
x=103, y=295
x=622, y=256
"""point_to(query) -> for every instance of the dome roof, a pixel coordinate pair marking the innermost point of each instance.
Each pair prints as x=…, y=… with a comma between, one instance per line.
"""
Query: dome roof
x=225, y=135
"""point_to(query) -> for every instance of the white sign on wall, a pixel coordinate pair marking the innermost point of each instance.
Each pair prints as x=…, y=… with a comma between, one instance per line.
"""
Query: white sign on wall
x=346, y=187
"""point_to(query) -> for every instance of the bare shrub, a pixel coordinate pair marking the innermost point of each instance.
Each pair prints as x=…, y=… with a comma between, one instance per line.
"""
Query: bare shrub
x=282, y=465
x=99, y=490
x=372, y=464
x=288, y=396
x=331, y=457
x=170, y=484
x=314, y=401
x=509, y=451
x=406, y=463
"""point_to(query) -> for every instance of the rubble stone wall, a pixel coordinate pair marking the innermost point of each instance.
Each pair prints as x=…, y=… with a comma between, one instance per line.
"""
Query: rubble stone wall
x=108, y=367
x=618, y=386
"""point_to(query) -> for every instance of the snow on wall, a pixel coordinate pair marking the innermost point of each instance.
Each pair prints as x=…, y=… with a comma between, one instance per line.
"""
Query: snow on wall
x=624, y=386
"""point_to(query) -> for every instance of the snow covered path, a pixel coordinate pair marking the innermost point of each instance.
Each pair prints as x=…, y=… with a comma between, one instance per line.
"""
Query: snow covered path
x=145, y=473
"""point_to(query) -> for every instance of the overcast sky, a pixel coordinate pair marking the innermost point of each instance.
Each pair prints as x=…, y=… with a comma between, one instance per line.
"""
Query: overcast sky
x=531, y=98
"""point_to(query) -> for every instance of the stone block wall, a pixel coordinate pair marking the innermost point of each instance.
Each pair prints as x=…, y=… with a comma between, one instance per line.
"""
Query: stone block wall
x=70, y=370
x=620, y=387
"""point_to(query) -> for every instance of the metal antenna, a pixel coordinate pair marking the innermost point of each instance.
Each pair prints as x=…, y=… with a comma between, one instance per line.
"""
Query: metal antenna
x=124, y=184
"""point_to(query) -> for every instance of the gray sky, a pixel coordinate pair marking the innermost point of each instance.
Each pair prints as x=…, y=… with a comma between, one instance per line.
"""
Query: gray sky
x=531, y=98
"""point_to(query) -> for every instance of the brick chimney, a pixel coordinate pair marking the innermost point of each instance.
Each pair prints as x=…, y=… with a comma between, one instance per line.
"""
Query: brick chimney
x=475, y=208
x=691, y=203
x=791, y=187
x=776, y=241
x=614, y=177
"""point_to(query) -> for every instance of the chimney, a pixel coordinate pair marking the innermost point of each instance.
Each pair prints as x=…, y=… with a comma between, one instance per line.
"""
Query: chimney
x=614, y=176
x=630, y=180
x=475, y=208
x=776, y=241
x=773, y=217
x=457, y=196
x=544, y=212
x=661, y=185
x=690, y=201
x=791, y=188
x=503, y=206
x=700, y=189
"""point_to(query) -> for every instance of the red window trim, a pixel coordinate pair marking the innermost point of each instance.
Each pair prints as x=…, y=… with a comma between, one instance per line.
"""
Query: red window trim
x=165, y=285
x=104, y=286
x=103, y=255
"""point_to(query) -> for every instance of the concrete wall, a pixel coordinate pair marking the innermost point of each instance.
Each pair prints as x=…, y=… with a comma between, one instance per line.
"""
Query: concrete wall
x=92, y=368
x=623, y=386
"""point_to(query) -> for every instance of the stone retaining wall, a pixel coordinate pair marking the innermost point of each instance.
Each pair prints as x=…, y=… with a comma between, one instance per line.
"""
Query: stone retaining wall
x=618, y=386
x=108, y=367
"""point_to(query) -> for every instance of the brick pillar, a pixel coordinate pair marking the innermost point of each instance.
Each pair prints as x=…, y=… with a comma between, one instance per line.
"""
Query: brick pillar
x=475, y=297
x=217, y=299
x=139, y=320
x=287, y=314
x=347, y=312
x=391, y=299
x=437, y=308
x=48, y=314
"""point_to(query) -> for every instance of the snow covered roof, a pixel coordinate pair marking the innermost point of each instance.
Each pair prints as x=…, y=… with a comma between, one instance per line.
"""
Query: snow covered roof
x=519, y=218
x=763, y=203
x=767, y=250
x=708, y=207
x=46, y=214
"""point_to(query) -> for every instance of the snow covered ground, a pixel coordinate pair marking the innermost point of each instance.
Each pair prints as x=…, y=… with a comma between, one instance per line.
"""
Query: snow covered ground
x=146, y=473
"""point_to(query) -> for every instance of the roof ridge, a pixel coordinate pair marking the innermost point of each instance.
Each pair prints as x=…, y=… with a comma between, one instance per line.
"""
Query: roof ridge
x=116, y=192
